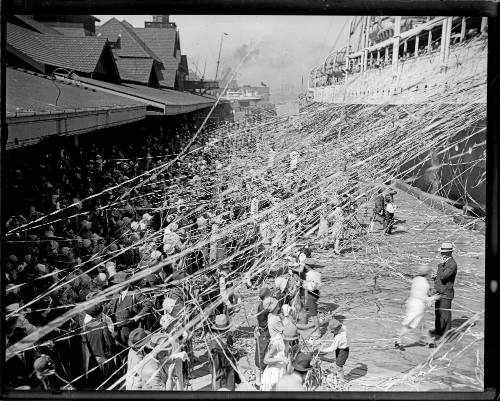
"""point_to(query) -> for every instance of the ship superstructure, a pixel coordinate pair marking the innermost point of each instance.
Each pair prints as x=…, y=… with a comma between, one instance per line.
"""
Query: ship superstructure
x=405, y=61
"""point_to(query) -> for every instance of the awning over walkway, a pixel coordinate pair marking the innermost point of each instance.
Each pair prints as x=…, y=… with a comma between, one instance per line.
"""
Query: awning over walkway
x=38, y=107
x=169, y=101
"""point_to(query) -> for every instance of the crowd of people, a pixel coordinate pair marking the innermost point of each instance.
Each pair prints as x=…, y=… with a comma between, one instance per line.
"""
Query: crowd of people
x=91, y=218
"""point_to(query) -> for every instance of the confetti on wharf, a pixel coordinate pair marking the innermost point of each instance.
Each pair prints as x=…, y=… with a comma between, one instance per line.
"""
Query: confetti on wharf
x=287, y=254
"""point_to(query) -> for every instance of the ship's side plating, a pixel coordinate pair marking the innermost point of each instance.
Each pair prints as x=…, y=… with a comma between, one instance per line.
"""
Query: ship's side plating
x=427, y=61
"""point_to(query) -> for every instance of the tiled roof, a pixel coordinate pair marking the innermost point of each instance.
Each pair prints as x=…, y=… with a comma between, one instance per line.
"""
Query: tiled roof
x=30, y=92
x=80, y=54
x=162, y=41
x=134, y=69
x=130, y=43
x=37, y=26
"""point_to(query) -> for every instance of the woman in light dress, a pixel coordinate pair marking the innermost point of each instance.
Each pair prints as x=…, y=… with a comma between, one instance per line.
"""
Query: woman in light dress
x=337, y=220
x=275, y=358
x=323, y=226
x=415, y=306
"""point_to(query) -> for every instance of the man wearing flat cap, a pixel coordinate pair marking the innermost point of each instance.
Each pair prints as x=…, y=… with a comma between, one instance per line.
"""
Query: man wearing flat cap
x=444, y=280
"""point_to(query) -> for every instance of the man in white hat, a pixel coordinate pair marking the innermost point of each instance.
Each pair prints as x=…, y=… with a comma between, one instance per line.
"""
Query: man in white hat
x=444, y=280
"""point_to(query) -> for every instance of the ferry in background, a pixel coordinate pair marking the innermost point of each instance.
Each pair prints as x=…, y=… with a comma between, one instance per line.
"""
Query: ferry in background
x=397, y=61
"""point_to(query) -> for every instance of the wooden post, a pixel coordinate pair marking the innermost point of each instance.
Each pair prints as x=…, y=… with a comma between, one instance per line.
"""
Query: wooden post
x=417, y=39
x=386, y=55
x=405, y=47
x=443, y=39
x=395, y=45
x=463, y=28
x=447, y=41
x=378, y=56
x=429, y=41
x=365, y=52
x=484, y=25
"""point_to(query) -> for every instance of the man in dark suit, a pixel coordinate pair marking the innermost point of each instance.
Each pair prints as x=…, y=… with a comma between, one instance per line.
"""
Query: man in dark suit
x=128, y=309
x=444, y=279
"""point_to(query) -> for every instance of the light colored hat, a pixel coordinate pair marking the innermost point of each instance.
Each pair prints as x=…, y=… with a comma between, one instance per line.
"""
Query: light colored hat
x=147, y=217
x=110, y=268
x=423, y=269
x=12, y=308
x=134, y=225
x=138, y=338
x=156, y=255
x=101, y=279
x=221, y=323
x=157, y=340
x=333, y=324
x=280, y=283
x=446, y=247
x=168, y=304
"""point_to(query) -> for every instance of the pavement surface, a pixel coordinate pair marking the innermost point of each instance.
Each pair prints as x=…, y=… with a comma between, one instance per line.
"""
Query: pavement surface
x=366, y=288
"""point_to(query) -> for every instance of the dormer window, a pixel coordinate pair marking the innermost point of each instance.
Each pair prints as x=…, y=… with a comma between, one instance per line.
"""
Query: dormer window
x=117, y=44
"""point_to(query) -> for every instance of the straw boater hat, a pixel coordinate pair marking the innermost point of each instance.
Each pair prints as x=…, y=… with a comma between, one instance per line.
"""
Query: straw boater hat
x=446, y=247
x=138, y=338
x=221, y=323
x=159, y=340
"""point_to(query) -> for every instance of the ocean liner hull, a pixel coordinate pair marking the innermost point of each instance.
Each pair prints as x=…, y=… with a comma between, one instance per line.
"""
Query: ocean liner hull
x=457, y=173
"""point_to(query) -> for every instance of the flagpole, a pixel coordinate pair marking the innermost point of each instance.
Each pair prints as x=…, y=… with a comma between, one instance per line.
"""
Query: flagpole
x=218, y=58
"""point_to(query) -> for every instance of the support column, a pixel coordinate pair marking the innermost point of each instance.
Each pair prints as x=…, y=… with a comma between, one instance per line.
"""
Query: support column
x=447, y=41
x=386, y=56
x=417, y=39
x=463, y=28
x=429, y=42
x=395, y=45
x=443, y=39
x=365, y=52
x=378, y=56
x=484, y=25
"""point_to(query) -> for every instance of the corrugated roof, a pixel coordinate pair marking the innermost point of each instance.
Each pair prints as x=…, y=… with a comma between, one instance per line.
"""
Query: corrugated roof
x=174, y=102
x=29, y=92
x=163, y=41
x=80, y=54
x=134, y=69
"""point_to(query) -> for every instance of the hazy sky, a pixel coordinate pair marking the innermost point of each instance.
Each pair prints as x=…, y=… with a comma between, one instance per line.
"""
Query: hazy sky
x=283, y=48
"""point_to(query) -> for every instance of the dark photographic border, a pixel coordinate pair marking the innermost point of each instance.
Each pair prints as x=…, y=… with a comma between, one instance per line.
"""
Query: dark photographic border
x=297, y=7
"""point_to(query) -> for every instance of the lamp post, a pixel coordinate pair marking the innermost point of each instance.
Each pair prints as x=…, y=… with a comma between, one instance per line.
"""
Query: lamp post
x=220, y=49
